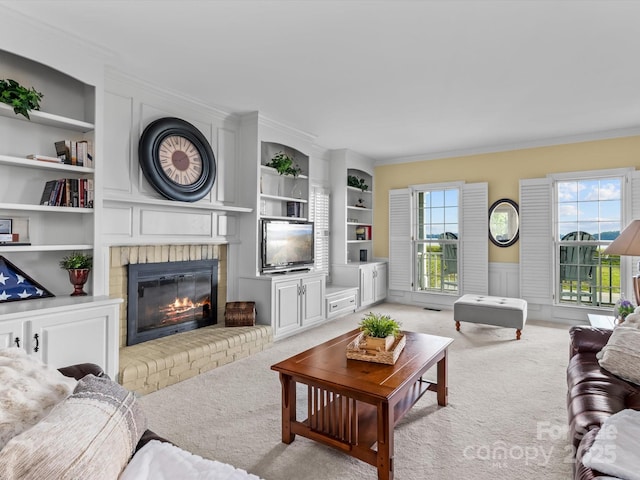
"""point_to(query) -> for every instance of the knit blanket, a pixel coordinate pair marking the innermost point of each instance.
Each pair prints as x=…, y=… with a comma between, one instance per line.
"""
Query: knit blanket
x=164, y=461
x=29, y=390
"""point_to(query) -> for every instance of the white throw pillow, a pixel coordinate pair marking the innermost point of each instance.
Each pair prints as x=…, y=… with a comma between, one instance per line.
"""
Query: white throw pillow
x=615, y=449
x=29, y=390
x=621, y=354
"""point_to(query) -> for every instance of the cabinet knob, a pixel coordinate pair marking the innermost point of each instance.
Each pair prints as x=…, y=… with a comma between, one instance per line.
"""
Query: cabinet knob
x=17, y=341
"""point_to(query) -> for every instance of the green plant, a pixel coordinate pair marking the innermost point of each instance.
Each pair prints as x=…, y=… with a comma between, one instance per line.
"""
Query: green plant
x=22, y=99
x=283, y=163
x=76, y=261
x=357, y=182
x=379, y=326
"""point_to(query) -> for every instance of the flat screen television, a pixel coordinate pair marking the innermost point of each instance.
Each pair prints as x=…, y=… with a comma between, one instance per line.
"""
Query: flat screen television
x=286, y=246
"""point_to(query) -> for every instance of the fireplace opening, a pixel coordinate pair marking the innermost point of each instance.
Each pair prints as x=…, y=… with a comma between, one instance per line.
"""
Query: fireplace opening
x=170, y=297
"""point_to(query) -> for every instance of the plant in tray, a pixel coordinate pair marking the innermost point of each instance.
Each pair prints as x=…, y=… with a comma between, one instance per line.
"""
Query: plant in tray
x=357, y=182
x=379, y=331
x=22, y=99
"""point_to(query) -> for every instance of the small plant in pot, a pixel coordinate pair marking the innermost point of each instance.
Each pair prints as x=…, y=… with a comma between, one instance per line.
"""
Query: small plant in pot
x=78, y=265
x=379, y=331
x=284, y=164
x=22, y=99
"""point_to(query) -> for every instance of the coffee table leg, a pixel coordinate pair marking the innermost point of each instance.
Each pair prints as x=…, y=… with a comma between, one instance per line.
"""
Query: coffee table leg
x=385, y=442
x=443, y=391
x=288, y=407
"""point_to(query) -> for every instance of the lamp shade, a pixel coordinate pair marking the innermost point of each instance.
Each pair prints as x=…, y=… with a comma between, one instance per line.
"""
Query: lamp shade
x=628, y=242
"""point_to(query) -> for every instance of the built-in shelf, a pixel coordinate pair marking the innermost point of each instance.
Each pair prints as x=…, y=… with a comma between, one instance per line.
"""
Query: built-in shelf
x=43, y=248
x=43, y=208
x=273, y=171
x=48, y=119
x=278, y=217
x=358, y=241
x=359, y=224
x=364, y=209
x=283, y=199
x=39, y=164
x=356, y=189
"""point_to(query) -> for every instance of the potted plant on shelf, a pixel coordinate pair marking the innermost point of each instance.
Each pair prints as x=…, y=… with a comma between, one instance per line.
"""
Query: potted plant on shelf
x=284, y=164
x=379, y=331
x=78, y=265
x=22, y=99
x=357, y=182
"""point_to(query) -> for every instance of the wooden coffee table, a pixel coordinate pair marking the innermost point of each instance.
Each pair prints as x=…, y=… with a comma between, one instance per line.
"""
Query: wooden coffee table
x=354, y=405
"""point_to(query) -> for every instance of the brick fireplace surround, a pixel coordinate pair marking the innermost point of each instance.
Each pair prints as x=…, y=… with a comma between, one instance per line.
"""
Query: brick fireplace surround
x=152, y=365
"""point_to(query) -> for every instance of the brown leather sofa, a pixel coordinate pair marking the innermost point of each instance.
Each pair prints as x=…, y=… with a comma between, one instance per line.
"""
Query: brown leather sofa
x=80, y=370
x=593, y=393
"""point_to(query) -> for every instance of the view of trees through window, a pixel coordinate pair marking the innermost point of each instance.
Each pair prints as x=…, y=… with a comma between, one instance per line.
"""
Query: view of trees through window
x=589, y=217
x=436, y=240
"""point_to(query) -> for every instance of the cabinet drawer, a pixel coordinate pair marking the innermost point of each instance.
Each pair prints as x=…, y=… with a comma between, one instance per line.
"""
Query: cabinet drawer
x=341, y=305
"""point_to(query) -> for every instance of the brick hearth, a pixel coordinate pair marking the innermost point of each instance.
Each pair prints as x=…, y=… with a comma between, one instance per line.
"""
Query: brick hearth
x=149, y=366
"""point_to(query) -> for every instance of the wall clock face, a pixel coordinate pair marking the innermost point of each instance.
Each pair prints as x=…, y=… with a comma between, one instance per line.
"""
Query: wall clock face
x=177, y=160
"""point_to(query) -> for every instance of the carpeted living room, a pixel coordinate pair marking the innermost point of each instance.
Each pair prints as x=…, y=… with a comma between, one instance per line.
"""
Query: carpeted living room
x=328, y=239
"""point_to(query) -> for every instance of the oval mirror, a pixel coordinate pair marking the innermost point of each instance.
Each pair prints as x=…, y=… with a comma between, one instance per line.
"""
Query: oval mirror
x=504, y=224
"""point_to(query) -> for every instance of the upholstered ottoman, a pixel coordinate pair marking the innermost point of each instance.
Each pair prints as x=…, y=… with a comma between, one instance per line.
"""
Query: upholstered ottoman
x=498, y=311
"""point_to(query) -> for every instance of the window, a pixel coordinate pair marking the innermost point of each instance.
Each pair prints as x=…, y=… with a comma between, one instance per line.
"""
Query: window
x=588, y=218
x=436, y=239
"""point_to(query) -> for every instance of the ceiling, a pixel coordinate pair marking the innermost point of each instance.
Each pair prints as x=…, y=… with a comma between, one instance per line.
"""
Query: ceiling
x=388, y=79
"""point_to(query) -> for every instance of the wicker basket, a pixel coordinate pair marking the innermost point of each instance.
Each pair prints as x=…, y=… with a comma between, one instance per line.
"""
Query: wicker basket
x=355, y=352
x=240, y=314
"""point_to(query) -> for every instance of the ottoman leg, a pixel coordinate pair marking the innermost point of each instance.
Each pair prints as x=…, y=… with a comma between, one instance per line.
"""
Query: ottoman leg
x=457, y=325
x=518, y=333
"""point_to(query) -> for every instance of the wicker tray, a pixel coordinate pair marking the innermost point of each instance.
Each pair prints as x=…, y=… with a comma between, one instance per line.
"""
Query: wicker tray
x=389, y=357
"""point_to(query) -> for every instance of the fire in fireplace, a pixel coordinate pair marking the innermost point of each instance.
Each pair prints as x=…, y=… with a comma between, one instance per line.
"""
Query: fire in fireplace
x=171, y=297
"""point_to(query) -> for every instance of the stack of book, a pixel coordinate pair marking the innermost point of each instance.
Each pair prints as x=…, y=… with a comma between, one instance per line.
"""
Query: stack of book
x=72, y=152
x=68, y=192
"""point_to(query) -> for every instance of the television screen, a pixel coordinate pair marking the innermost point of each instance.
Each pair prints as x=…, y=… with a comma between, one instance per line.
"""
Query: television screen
x=286, y=245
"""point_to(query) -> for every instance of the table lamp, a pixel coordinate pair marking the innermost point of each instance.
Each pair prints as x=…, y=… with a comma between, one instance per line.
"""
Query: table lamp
x=628, y=243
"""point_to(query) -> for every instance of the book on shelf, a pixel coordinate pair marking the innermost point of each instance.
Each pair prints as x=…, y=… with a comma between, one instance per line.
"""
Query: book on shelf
x=68, y=192
x=44, y=158
x=75, y=152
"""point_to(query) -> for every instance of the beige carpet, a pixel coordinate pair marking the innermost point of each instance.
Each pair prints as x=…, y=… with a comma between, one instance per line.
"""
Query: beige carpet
x=506, y=417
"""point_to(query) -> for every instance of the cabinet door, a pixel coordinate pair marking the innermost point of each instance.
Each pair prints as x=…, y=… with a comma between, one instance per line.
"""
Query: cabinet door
x=367, y=292
x=312, y=299
x=287, y=306
x=12, y=334
x=381, y=281
x=83, y=336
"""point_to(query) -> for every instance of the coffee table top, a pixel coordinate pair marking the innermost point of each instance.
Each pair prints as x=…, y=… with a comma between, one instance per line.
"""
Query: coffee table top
x=327, y=364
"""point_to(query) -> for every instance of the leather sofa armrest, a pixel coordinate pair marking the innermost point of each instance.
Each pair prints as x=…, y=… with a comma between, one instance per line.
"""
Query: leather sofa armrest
x=80, y=370
x=588, y=339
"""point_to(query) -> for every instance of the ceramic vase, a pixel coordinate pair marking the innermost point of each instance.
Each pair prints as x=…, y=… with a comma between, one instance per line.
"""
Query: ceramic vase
x=78, y=277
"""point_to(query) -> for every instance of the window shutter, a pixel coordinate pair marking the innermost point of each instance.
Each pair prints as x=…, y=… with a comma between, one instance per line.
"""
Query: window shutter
x=319, y=214
x=635, y=211
x=474, y=261
x=400, y=254
x=536, y=248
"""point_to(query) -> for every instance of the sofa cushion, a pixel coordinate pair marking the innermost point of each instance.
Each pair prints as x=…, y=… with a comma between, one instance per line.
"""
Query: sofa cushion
x=615, y=451
x=621, y=354
x=91, y=434
x=29, y=390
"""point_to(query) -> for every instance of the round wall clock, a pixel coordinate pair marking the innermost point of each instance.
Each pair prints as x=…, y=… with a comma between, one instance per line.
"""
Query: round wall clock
x=177, y=160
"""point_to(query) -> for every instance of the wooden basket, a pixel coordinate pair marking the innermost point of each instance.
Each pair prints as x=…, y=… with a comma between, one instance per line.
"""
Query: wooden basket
x=355, y=352
x=240, y=314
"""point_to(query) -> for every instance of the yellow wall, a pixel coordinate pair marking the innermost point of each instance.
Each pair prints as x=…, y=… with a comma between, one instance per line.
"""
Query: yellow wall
x=502, y=171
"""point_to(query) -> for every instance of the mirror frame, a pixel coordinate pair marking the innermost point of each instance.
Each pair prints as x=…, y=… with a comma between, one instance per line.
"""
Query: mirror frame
x=495, y=205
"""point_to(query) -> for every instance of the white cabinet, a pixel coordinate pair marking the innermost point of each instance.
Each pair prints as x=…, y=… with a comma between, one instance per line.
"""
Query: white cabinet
x=289, y=303
x=371, y=279
x=46, y=233
x=65, y=330
x=12, y=334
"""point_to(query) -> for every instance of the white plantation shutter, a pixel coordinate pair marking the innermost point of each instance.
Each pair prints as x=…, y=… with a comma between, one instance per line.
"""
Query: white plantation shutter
x=474, y=248
x=400, y=245
x=319, y=215
x=536, y=248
